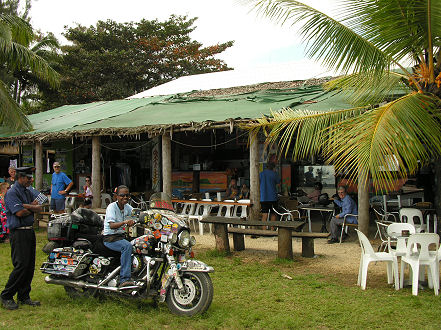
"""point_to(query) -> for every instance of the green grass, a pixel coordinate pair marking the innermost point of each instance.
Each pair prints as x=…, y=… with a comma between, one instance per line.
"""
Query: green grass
x=248, y=294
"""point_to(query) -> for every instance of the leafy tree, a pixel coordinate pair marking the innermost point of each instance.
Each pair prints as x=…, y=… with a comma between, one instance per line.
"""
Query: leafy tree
x=115, y=60
x=15, y=35
x=367, y=41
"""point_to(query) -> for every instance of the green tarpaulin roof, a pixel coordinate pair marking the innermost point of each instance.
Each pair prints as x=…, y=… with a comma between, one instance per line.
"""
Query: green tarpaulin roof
x=147, y=114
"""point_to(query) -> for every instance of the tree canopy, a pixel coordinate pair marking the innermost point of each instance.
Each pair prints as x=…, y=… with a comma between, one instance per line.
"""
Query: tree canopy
x=115, y=60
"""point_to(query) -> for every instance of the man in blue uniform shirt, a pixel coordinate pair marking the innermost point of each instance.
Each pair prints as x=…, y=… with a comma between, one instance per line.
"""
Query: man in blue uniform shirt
x=348, y=206
x=60, y=188
x=20, y=219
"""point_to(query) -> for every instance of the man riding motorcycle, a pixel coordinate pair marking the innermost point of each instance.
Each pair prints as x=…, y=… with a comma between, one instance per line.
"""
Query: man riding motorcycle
x=114, y=235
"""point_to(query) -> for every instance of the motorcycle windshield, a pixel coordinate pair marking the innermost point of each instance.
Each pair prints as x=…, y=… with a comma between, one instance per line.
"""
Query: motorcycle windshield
x=161, y=201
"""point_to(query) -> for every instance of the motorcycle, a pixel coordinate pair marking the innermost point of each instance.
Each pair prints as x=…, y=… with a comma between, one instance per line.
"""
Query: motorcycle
x=163, y=267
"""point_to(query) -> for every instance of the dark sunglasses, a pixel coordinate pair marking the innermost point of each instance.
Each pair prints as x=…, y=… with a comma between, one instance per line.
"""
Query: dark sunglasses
x=124, y=195
x=57, y=166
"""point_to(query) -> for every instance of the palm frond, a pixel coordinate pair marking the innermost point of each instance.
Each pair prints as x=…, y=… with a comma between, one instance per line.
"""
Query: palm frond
x=304, y=130
x=11, y=115
x=18, y=56
x=327, y=40
x=404, y=132
x=21, y=30
x=361, y=89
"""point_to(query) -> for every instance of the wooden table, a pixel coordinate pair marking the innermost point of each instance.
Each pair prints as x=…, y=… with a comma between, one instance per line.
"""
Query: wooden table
x=284, y=233
x=325, y=216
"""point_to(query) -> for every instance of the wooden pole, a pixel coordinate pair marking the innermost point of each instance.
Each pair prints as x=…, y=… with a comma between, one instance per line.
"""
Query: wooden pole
x=254, y=180
x=38, y=165
x=166, y=165
x=96, y=172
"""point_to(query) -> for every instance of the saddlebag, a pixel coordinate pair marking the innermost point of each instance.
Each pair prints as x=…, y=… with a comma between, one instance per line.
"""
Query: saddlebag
x=67, y=261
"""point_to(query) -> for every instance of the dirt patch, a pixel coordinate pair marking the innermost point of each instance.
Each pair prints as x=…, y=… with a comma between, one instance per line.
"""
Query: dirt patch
x=339, y=260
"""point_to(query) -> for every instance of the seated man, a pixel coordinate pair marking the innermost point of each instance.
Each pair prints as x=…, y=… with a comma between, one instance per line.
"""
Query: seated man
x=348, y=206
x=114, y=237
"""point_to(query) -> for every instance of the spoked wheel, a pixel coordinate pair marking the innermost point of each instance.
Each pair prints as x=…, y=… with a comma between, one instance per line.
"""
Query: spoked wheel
x=196, y=296
x=76, y=293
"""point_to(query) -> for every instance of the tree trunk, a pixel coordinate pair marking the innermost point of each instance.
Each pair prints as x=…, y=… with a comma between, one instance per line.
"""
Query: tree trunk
x=363, y=203
x=437, y=187
x=254, y=180
x=38, y=165
x=96, y=172
x=166, y=164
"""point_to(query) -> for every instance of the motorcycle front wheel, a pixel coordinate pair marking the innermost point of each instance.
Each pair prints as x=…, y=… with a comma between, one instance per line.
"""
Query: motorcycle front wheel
x=196, y=296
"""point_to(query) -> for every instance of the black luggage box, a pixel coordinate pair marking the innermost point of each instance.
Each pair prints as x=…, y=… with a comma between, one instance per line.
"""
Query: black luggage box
x=61, y=229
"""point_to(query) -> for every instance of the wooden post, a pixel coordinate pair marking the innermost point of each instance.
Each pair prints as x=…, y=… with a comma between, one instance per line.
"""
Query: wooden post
x=238, y=242
x=38, y=165
x=221, y=237
x=284, y=243
x=363, y=202
x=96, y=172
x=308, y=247
x=254, y=180
x=166, y=165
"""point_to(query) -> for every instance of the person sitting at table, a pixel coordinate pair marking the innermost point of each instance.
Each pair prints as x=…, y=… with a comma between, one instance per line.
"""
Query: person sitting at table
x=244, y=192
x=348, y=206
x=233, y=190
x=313, y=197
x=88, y=187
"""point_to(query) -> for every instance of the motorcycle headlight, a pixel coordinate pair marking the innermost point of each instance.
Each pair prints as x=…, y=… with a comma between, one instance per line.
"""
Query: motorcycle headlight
x=192, y=241
x=184, y=239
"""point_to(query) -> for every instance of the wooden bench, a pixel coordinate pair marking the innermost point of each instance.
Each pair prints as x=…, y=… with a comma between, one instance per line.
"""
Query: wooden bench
x=286, y=231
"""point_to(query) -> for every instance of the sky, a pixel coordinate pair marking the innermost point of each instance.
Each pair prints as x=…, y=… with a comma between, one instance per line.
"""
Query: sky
x=258, y=41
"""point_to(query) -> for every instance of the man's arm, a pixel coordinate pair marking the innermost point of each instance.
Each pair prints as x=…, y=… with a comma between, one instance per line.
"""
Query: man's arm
x=28, y=209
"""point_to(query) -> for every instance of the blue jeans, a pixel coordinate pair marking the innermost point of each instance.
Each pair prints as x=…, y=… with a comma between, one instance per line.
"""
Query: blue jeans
x=125, y=248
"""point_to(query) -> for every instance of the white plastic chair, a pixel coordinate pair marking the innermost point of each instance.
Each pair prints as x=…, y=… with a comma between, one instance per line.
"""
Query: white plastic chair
x=228, y=210
x=106, y=199
x=368, y=255
x=409, y=214
x=394, y=230
x=202, y=211
x=187, y=210
x=69, y=204
x=241, y=211
x=421, y=258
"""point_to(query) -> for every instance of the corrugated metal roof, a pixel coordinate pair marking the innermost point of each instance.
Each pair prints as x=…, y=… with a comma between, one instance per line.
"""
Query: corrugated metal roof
x=176, y=109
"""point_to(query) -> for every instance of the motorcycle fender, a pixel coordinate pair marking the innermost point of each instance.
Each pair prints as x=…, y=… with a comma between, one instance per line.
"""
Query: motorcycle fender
x=195, y=266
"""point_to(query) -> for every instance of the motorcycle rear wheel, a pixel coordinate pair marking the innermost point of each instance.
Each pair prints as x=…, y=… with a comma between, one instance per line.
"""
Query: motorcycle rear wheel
x=197, y=297
x=76, y=293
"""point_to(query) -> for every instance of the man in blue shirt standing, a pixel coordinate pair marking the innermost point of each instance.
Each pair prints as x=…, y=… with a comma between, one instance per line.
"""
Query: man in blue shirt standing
x=60, y=187
x=348, y=206
x=20, y=211
x=268, y=191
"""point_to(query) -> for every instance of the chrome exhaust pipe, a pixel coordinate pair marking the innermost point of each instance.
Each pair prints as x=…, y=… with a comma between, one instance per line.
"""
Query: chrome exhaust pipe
x=79, y=284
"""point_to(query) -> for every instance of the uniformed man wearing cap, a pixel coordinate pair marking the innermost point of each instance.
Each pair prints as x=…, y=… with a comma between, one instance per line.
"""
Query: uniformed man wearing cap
x=20, y=219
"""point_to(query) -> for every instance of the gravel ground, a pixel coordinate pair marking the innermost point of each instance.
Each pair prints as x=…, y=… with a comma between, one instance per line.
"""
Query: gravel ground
x=338, y=259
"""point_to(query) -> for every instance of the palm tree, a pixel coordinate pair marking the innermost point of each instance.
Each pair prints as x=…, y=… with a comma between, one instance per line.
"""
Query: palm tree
x=368, y=43
x=15, y=36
